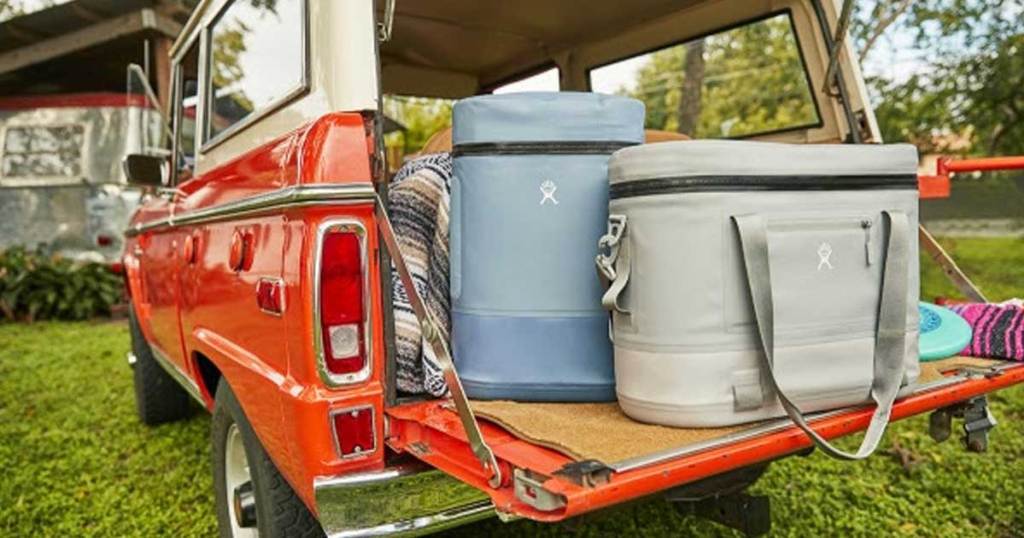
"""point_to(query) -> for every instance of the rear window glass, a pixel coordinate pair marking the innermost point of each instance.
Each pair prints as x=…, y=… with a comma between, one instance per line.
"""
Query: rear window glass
x=257, y=59
x=736, y=83
x=43, y=151
x=545, y=81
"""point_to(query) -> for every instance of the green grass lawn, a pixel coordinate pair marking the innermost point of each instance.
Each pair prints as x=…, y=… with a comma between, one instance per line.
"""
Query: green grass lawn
x=76, y=461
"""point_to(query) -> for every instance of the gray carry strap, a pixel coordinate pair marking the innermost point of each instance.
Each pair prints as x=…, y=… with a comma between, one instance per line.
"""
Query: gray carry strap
x=440, y=348
x=890, y=341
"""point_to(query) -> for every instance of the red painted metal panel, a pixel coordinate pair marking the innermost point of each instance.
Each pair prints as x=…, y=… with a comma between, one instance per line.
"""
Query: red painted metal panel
x=431, y=432
x=84, y=100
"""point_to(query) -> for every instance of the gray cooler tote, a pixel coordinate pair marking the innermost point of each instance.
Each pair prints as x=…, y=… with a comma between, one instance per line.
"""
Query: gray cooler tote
x=529, y=199
x=752, y=280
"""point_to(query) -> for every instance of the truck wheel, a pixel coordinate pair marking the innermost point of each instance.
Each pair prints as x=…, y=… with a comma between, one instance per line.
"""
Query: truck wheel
x=253, y=499
x=158, y=397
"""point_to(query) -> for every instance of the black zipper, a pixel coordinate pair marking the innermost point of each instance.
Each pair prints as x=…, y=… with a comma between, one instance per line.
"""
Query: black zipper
x=726, y=183
x=555, y=147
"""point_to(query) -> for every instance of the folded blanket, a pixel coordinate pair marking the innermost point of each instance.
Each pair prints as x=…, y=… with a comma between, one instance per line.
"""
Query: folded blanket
x=418, y=199
x=998, y=330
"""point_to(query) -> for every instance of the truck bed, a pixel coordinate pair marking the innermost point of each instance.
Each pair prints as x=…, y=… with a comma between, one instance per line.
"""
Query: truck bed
x=562, y=460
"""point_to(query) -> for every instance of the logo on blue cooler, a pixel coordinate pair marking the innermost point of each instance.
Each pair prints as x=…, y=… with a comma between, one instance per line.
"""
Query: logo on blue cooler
x=547, y=190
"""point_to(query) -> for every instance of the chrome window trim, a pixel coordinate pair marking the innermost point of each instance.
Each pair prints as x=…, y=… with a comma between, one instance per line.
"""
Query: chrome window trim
x=208, y=141
x=260, y=204
x=334, y=431
x=177, y=374
x=350, y=225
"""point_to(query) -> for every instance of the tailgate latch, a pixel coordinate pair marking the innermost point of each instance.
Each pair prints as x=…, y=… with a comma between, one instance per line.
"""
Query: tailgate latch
x=529, y=488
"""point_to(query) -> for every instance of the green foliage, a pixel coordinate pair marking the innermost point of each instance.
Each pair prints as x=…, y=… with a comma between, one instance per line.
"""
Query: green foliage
x=37, y=286
x=968, y=97
x=753, y=81
x=85, y=466
x=421, y=117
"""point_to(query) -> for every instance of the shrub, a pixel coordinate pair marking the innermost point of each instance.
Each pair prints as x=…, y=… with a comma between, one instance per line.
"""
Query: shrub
x=37, y=286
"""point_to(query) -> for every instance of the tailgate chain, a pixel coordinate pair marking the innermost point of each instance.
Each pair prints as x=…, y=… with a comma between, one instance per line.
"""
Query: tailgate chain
x=429, y=327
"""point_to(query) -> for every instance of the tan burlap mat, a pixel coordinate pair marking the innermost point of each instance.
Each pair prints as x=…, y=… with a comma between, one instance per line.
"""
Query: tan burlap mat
x=600, y=431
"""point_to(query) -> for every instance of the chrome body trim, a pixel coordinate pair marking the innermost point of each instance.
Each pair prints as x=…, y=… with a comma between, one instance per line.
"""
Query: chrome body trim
x=259, y=204
x=181, y=377
x=334, y=431
x=349, y=225
x=406, y=500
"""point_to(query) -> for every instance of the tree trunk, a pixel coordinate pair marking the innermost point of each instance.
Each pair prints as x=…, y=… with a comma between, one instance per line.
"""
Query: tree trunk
x=693, y=85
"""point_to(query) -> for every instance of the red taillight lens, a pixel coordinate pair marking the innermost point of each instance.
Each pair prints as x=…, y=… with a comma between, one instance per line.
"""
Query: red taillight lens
x=341, y=303
x=353, y=429
x=270, y=296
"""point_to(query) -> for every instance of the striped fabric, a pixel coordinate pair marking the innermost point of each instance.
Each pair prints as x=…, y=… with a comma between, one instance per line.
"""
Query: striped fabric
x=998, y=330
x=418, y=200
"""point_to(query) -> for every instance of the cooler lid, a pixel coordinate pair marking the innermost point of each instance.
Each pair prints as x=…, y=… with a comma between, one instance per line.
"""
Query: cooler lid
x=732, y=159
x=548, y=117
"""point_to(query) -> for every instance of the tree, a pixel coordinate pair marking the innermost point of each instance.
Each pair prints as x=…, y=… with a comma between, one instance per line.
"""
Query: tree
x=421, y=117
x=972, y=86
x=693, y=84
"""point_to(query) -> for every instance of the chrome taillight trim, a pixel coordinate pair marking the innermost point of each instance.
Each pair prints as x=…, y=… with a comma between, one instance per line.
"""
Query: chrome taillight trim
x=354, y=226
x=334, y=431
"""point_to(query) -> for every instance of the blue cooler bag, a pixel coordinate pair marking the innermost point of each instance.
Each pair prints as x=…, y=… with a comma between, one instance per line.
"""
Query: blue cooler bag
x=529, y=199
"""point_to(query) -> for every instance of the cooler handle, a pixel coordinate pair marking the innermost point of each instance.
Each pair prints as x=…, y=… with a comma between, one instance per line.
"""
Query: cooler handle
x=613, y=248
x=890, y=339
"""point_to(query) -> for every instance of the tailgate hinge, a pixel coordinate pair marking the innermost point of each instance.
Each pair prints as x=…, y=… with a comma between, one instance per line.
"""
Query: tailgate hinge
x=978, y=421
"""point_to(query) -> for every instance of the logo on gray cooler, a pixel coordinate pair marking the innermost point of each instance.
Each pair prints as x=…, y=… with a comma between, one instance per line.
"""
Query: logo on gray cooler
x=824, y=256
x=547, y=190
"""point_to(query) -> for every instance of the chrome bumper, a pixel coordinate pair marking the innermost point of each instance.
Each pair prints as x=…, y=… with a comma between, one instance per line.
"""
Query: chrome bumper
x=406, y=500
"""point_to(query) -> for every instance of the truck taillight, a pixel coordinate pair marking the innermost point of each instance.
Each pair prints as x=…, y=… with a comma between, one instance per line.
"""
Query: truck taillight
x=342, y=304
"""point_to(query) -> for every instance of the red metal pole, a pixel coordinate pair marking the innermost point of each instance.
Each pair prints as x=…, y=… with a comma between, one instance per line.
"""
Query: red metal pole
x=946, y=166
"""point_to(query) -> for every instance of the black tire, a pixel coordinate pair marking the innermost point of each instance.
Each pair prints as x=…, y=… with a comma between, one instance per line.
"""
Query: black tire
x=158, y=397
x=279, y=511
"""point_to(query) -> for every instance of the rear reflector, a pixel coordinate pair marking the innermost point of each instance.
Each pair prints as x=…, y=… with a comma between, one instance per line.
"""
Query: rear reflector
x=270, y=295
x=342, y=319
x=353, y=431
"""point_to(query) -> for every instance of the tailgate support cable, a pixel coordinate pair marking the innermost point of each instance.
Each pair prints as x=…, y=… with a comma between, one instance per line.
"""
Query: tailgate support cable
x=429, y=327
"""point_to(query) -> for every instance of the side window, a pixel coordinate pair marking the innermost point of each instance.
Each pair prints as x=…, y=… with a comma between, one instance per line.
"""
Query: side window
x=185, y=105
x=257, y=59
x=545, y=81
x=736, y=83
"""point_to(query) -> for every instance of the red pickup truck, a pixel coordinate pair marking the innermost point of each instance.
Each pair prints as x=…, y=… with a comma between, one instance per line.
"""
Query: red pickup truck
x=267, y=229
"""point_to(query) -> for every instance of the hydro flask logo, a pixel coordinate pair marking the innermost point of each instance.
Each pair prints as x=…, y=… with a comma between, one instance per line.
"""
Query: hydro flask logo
x=547, y=191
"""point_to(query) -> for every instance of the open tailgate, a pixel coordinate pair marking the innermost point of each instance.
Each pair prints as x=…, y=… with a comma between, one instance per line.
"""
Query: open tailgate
x=546, y=484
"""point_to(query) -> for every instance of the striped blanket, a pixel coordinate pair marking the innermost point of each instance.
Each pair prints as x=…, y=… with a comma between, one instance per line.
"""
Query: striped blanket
x=418, y=199
x=998, y=330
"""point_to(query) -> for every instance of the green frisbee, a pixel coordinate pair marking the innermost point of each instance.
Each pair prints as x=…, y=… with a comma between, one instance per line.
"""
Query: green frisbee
x=943, y=332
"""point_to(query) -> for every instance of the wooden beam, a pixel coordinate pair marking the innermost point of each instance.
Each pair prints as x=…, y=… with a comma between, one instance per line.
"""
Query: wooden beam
x=108, y=30
x=162, y=71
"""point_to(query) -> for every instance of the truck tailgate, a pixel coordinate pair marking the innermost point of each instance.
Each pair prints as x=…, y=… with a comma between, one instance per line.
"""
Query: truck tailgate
x=550, y=474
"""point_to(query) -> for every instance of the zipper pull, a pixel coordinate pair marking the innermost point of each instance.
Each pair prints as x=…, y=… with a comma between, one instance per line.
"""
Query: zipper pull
x=866, y=224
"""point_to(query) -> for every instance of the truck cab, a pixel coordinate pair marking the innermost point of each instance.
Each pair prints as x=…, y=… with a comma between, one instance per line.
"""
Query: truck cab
x=268, y=235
